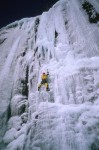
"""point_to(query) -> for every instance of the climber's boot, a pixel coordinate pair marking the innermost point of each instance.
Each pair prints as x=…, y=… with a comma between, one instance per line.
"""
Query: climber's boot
x=47, y=89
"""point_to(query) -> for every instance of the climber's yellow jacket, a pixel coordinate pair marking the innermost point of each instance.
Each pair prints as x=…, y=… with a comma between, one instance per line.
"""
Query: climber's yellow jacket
x=44, y=76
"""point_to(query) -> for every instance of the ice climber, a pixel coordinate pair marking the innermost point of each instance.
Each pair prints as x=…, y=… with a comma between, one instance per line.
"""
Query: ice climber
x=44, y=81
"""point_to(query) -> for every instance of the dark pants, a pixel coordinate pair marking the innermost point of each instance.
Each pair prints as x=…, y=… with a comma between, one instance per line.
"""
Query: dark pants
x=43, y=82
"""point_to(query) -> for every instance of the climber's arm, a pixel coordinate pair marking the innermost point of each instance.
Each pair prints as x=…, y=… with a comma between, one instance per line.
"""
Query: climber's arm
x=47, y=73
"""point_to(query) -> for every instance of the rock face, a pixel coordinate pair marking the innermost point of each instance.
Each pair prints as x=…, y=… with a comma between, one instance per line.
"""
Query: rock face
x=65, y=42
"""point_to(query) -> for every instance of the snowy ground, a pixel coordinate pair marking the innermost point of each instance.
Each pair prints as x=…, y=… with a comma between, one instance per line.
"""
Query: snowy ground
x=65, y=42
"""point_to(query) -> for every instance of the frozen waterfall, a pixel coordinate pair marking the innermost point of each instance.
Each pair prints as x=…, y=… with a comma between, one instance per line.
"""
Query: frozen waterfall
x=65, y=42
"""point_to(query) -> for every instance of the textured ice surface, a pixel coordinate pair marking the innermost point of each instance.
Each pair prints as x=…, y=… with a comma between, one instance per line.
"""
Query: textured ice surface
x=64, y=42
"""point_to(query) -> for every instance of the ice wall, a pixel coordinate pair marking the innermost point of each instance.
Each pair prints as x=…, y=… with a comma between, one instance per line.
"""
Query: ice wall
x=64, y=42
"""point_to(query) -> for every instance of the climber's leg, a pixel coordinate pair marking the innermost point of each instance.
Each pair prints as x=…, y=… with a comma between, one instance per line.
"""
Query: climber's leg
x=47, y=87
x=39, y=86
